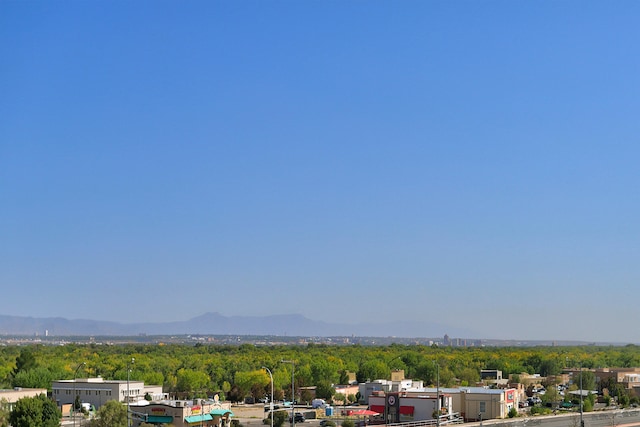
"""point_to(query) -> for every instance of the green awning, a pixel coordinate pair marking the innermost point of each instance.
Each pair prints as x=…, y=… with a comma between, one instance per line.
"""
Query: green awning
x=198, y=418
x=221, y=412
x=160, y=419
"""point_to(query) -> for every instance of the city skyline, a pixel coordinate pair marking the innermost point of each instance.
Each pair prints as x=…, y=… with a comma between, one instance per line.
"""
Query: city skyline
x=464, y=164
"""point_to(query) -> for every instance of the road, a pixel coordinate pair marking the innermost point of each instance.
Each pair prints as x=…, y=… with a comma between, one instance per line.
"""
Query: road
x=613, y=418
x=252, y=416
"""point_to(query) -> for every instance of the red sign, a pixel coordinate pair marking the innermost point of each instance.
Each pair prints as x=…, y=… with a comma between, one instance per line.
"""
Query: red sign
x=510, y=395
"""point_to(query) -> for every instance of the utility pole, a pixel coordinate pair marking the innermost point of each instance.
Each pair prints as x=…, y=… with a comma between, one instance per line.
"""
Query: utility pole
x=438, y=410
x=581, y=419
x=73, y=404
x=581, y=412
x=293, y=405
x=128, y=395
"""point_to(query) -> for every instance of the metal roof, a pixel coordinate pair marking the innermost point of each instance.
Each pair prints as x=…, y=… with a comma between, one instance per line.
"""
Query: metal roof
x=221, y=412
x=198, y=418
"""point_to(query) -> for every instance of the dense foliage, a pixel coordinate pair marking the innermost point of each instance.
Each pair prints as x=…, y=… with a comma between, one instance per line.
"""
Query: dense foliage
x=37, y=411
x=111, y=414
x=236, y=371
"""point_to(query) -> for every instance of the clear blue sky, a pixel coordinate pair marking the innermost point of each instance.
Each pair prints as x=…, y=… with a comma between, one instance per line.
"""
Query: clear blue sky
x=472, y=163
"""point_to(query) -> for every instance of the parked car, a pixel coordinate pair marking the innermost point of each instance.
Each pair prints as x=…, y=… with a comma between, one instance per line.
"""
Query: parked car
x=533, y=401
x=298, y=417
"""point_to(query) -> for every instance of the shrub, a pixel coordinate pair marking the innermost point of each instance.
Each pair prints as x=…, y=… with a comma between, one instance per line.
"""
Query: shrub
x=539, y=410
x=279, y=418
x=348, y=423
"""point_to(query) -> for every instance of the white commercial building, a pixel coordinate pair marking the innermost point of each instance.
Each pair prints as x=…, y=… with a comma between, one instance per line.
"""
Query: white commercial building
x=97, y=391
x=469, y=403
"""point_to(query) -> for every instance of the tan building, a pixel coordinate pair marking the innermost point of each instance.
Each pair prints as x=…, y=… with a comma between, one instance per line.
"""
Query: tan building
x=8, y=398
x=528, y=379
x=628, y=377
x=346, y=390
x=183, y=413
x=483, y=404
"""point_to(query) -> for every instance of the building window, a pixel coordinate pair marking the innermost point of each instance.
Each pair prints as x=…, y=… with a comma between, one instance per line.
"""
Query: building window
x=483, y=407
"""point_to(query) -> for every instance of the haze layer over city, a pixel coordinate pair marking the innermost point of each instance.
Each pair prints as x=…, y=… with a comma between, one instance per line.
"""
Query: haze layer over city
x=466, y=165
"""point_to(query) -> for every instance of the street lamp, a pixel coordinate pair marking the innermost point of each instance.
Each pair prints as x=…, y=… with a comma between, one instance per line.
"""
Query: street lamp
x=581, y=415
x=293, y=405
x=128, y=393
x=581, y=419
x=73, y=404
x=271, y=398
x=437, y=393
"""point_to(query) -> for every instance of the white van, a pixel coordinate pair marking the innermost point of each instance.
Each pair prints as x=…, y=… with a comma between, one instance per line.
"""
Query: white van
x=318, y=403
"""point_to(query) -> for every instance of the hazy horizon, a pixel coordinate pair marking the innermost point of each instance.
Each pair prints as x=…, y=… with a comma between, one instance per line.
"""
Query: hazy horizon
x=281, y=325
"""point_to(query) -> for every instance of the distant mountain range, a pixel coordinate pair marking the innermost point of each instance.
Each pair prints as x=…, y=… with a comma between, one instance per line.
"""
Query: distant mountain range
x=217, y=324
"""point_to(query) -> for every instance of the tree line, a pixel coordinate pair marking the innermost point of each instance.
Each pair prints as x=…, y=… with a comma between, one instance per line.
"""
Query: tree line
x=236, y=372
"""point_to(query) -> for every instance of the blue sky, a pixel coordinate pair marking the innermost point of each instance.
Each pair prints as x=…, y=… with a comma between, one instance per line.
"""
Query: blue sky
x=469, y=163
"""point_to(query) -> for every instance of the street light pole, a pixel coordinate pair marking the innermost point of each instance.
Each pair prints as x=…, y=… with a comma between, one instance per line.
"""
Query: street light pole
x=438, y=394
x=128, y=393
x=581, y=419
x=293, y=405
x=581, y=415
x=73, y=404
x=271, y=397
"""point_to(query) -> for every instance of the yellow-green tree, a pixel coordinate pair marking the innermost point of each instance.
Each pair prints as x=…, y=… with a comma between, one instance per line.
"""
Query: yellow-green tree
x=111, y=414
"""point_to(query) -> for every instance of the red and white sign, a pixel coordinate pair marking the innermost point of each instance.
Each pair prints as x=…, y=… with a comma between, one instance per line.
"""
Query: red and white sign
x=510, y=395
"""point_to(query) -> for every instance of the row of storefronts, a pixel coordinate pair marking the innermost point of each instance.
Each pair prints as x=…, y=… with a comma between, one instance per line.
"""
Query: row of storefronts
x=147, y=403
x=467, y=403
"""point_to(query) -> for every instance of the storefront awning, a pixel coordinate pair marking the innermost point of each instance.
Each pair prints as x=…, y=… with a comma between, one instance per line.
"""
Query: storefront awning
x=198, y=418
x=406, y=410
x=159, y=419
x=221, y=412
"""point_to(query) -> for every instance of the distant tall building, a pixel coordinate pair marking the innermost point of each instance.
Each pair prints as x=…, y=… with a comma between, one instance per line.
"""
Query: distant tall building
x=447, y=340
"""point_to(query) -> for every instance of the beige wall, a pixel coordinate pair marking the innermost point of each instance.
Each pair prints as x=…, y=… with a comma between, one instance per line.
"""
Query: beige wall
x=347, y=390
x=397, y=375
x=490, y=405
x=10, y=397
x=185, y=408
